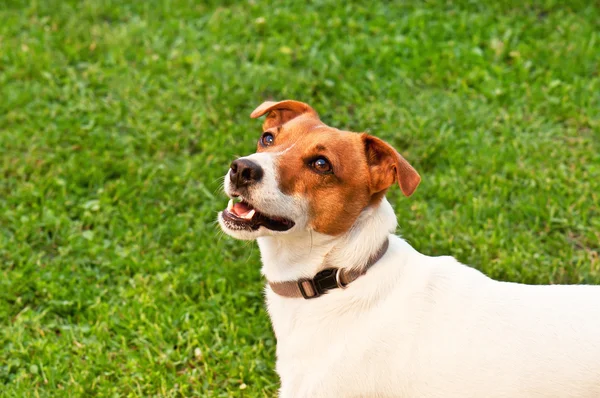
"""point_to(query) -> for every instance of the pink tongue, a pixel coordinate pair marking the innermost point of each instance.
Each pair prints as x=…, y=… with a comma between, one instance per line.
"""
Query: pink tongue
x=241, y=208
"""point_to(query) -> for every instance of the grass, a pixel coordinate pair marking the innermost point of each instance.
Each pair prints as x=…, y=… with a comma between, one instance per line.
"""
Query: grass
x=117, y=121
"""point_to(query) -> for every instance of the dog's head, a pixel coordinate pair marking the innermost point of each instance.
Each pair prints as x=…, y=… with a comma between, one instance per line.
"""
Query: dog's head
x=308, y=176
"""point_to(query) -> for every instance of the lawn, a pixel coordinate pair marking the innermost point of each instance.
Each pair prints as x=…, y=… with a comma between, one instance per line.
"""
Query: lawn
x=117, y=122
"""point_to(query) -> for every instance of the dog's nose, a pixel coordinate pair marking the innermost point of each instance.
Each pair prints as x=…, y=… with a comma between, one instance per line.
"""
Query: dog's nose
x=244, y=172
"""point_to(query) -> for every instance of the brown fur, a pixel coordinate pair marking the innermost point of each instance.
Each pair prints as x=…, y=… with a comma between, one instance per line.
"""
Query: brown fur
x=364, y=166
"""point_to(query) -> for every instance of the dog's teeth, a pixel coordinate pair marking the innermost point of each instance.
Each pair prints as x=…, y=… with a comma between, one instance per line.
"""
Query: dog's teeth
x=230, y=205
x=249, y=215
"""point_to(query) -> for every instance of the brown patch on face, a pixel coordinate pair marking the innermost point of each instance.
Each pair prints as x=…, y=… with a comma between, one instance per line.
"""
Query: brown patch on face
x=336, y=199
x=363, y=167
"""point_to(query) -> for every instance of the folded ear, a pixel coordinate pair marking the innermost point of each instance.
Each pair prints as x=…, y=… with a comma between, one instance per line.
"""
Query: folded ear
x=282, y=112
x=387, y=166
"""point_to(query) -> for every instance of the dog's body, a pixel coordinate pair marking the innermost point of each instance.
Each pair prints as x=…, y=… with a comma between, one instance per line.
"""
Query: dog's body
x=413, y=325
x=419, y=326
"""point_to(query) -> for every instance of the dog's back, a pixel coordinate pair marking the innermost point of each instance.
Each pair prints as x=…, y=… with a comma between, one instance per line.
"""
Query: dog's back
x=489, y=338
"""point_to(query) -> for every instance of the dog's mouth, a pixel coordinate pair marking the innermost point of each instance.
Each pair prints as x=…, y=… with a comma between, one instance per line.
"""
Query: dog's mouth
x=242, y=215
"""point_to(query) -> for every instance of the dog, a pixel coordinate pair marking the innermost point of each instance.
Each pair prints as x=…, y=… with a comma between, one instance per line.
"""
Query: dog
x=358, y=312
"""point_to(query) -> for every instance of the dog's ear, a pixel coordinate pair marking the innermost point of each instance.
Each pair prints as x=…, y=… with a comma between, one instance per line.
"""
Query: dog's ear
x=282, y=112
x=386, y=166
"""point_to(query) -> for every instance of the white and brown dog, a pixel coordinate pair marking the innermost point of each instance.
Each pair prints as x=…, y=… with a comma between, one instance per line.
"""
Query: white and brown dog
x=358, y=312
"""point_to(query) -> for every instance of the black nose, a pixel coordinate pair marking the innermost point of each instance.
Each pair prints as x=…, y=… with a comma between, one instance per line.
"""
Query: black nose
x=244, y=172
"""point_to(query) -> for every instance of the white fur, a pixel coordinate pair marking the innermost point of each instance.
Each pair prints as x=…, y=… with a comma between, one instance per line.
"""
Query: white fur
x=420, y=326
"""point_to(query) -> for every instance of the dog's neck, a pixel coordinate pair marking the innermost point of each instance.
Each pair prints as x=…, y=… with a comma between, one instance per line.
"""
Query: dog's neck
x=303, y=255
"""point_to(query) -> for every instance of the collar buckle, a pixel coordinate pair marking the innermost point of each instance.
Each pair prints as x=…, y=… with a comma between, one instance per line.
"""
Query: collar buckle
x=322, y=282
x=330, y=278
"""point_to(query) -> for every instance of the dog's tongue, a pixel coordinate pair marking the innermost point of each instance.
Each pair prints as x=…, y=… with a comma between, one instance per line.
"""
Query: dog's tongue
x=242, y=210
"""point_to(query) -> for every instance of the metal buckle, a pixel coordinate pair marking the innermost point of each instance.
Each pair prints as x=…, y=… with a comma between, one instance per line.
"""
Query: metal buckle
x=338, y=280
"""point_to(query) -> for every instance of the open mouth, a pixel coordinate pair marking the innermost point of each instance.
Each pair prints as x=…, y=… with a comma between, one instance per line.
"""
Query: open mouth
x=243, y=215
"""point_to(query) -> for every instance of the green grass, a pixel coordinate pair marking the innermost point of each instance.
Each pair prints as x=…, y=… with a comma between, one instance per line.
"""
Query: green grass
x=118, y=121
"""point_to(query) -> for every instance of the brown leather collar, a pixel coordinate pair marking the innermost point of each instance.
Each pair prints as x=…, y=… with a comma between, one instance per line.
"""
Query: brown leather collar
x=328, y=279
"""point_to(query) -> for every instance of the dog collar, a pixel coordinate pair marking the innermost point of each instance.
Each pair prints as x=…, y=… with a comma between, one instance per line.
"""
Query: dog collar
x=328, y=279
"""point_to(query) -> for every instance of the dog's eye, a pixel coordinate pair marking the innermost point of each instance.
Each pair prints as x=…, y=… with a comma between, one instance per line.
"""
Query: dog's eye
x=267, y=139
x=322, y=166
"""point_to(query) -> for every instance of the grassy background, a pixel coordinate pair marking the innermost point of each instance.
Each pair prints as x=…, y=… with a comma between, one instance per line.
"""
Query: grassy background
x=118, y=120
